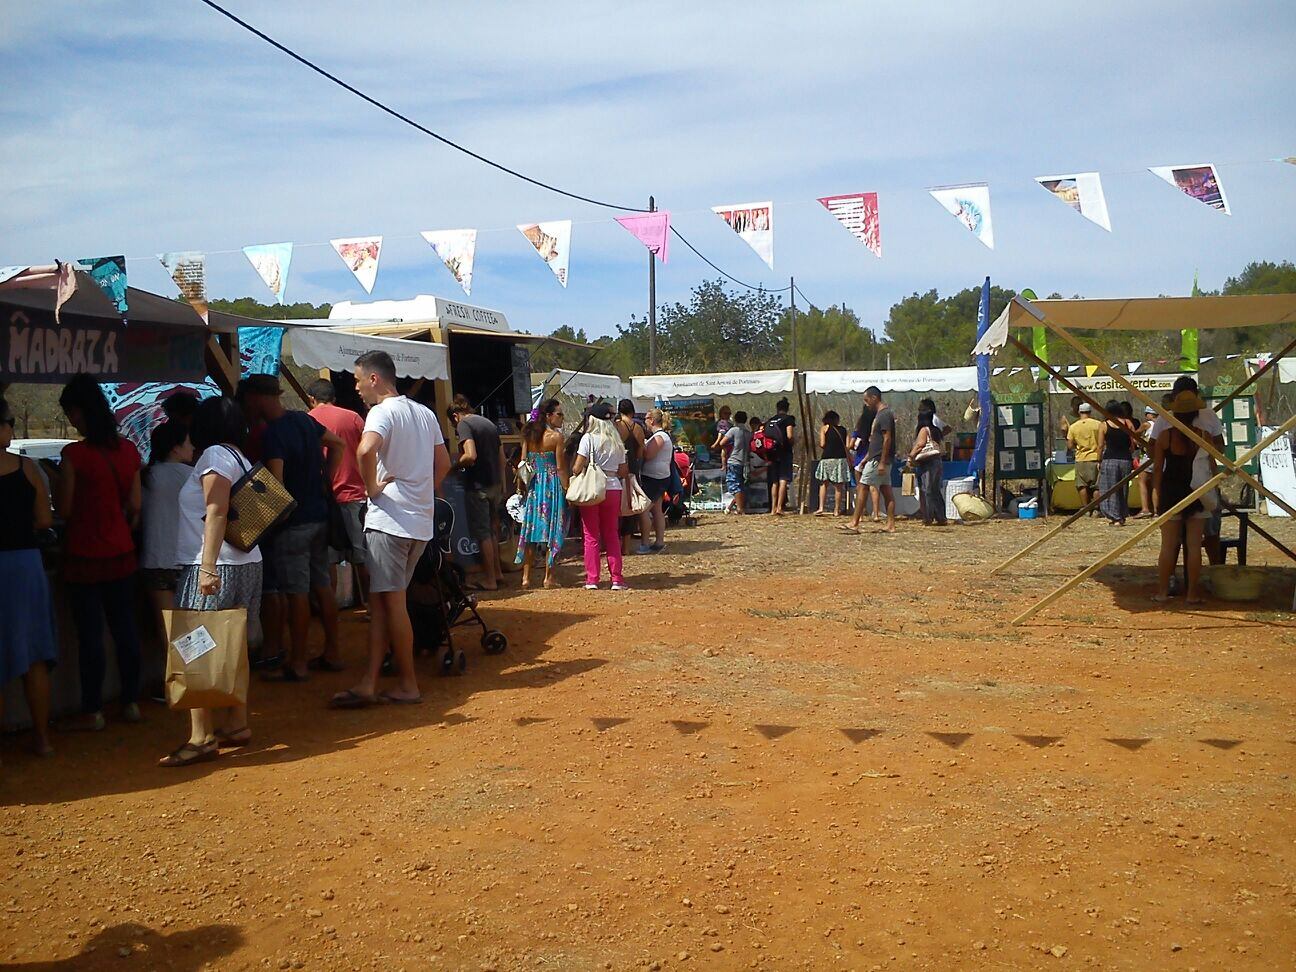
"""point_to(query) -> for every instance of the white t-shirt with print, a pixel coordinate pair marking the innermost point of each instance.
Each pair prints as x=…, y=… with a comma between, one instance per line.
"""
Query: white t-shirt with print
x=231, y=464
x=609, y=460
x=658, y=467
x=410, y=434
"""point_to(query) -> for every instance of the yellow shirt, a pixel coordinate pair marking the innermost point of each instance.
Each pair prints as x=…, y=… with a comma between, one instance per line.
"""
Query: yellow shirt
x=1082, y=436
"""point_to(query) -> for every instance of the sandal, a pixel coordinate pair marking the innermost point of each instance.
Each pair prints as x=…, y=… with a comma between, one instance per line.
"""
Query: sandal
x=386, y=698
x=188, y=754
x=351, y=699
x=233, y=739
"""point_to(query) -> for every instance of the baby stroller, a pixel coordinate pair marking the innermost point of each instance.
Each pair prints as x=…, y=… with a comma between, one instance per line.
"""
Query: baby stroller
x=439, y=602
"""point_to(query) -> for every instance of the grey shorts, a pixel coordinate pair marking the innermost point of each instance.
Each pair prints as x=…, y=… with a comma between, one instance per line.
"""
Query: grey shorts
x=874, y=474
x=299, y=555
x=391, y=560
x=481, y=504
x=353, y=522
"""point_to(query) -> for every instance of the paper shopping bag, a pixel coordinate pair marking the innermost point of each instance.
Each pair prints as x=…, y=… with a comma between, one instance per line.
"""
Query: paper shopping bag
x=207, y=660
x=907, y=484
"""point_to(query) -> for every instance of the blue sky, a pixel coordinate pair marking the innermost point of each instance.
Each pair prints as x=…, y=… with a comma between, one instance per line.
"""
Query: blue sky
x=150, y=126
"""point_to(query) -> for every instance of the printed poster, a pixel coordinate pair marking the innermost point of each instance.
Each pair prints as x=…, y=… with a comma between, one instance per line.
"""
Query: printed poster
x=189, y=272
x=970, y=205
x=1032, y=461
x=1007, y=462
x=858, y=212
x=456, y=249
x=271, y=262
x=552, y=241
x=1083, y=192
x=1277, y=471
x=1199, y=181
x=360, y=254
x=754, y=222
x=109, y=275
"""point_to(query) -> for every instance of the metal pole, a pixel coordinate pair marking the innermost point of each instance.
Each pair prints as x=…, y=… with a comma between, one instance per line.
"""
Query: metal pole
x=652, y=302
x=792, y=296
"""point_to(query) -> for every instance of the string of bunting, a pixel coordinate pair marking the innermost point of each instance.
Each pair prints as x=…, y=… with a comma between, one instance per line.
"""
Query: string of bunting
x=858, y=213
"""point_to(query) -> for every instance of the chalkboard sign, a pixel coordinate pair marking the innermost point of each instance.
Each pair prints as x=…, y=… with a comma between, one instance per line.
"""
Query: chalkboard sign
x=1019, y=438
x=521, y=379
x=1238, y=418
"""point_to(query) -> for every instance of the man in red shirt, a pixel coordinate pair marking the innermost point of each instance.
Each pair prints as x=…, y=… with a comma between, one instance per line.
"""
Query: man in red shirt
x=348, y=484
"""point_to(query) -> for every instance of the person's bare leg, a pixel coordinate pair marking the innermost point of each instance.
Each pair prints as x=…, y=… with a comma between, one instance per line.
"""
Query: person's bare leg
x=272, y=617
x=489, y=563
x=36, y=685
x=659, y=523
x=298, y=630
x=1145, y=494
x=201, y=726
x=1194, y=554
x=875, y=501
x=860, y=491
x=888, y=497
x=645, y=526
x=1168, y=558
x=361, y=574
x=526, y=564
x=162, y=601
x=328, y=612
x=740, y=501
x=378, y=643
x=823, y=500
x=839, y=499
x=401, y=634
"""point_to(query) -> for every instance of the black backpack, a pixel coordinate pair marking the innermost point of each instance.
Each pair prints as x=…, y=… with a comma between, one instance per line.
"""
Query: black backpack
x=776, y=432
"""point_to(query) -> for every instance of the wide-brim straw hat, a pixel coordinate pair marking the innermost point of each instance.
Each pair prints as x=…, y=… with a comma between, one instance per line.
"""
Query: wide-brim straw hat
x=1186, y=401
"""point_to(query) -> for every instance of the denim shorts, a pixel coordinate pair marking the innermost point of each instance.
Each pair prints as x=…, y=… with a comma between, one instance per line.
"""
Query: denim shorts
x=735, y=478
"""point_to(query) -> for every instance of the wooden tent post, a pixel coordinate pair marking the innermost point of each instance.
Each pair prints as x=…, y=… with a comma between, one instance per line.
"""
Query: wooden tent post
x=1157, y=521
x=1233, y=467
x=807, y=443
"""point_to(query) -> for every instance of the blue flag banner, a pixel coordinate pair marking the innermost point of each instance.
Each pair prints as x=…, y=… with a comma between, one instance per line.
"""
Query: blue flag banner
x=109, y=274
x=983, y=387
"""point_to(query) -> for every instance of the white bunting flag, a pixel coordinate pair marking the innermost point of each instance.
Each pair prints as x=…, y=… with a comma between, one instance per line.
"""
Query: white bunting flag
x=1083, y=192
x=456, y=249
x=858, y=212
x=970, y=205
x=271, y=262
x=189, y=271
x=552, y=241
x=360, y=254
x=1199, y=181
x=754, y=222
x=1134, y=366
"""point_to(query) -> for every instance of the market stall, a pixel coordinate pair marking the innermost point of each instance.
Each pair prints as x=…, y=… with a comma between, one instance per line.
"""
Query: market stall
x=694, y=401
x=1141, y=314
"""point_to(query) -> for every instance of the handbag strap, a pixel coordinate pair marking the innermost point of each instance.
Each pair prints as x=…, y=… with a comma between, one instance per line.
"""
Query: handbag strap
x=237, y=458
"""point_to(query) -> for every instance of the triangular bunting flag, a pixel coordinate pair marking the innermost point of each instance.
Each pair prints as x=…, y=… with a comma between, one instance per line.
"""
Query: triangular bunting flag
x=552, y=241
x=1199, y=181
x=1206, y=357
x=1083, y=192
x=456, y=249
x=1090, y=370
x=1072, y=369
x=754, y=222
x=360, y=254
x=67, y=285
x=109, y=274
x=1133, y=366
x=650, y=229
x=970, y=205
x=858, y=212
x=271, y=261
x=189, y=272
x=1290, y=160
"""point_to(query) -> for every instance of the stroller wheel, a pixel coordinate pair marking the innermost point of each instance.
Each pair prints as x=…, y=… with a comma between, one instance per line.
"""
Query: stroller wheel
x=494, y=642
x=445, y=658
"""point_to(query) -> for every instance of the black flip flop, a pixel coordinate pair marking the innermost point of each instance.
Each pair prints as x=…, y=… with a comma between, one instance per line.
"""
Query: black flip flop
x=350, y=699
x=386, y=698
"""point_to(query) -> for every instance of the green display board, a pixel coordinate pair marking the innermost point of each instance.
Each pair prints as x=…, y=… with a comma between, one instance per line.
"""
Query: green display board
x=1238, y=417
x=1019, y=446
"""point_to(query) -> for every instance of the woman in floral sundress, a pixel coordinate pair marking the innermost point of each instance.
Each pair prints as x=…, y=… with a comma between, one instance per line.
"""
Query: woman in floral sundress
x=544, y=519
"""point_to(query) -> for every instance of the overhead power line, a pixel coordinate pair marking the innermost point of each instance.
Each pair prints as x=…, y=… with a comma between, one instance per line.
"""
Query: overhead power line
x=307, y=62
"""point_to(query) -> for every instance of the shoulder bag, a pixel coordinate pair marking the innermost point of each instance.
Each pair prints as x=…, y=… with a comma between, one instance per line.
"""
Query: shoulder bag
x=589, y=488
x=257, y=502
x=633, y=499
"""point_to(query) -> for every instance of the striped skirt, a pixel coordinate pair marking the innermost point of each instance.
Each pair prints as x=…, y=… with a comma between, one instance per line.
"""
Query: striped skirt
x=1111, y=472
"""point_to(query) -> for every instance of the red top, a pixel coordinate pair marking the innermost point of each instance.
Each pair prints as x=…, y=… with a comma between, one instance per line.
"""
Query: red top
x=348, y=485
x=685, y=466
x=96, y=525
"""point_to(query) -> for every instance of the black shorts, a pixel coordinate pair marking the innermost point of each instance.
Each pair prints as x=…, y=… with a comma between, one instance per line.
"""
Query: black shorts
x=780, y=468
x=654, y=488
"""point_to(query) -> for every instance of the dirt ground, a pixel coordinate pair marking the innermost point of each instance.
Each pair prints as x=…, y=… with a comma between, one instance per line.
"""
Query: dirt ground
x=784, y=749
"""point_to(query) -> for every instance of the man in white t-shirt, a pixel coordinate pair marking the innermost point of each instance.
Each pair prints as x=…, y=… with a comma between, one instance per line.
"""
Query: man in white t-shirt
x=403, y=459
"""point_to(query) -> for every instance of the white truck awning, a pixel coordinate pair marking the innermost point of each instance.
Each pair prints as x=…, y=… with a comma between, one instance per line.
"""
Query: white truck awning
x=318, y=347
x=906, y=380
x=722, y=383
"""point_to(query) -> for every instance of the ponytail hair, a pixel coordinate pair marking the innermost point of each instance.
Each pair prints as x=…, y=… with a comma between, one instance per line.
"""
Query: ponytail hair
x=534, y=430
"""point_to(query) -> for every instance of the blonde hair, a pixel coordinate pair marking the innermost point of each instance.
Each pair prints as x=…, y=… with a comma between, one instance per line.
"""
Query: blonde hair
x=656, y=415
x=605, y=439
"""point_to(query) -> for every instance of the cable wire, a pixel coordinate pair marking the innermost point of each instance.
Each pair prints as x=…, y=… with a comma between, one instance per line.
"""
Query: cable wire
x=409, y=121
x=728, y=276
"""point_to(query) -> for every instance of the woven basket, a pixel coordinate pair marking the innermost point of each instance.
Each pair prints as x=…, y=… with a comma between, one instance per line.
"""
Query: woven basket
x=257, y=502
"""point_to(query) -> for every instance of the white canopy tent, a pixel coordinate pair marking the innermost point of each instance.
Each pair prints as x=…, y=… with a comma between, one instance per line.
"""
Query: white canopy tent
x=719, y=383
x=337, y=349
x=907, y=380
x=578, y=384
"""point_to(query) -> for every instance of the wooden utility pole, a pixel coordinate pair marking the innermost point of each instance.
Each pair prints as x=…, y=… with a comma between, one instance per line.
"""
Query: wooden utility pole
x=792, y=296
x=652, y=301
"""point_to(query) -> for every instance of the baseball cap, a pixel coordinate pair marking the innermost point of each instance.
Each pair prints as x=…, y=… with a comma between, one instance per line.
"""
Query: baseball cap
x=1085, y=407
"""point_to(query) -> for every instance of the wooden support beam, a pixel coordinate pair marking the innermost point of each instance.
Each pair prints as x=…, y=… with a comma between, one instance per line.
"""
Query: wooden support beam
x=1193, y=436
x=286, y=374
x=1156, y=522
x=219, y=366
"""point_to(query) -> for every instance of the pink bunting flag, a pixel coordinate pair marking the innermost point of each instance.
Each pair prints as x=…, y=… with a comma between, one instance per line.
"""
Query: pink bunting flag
x=650, y=229
x=858, y=212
